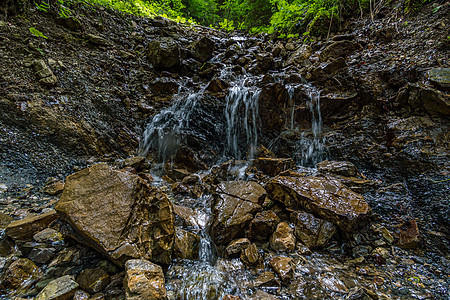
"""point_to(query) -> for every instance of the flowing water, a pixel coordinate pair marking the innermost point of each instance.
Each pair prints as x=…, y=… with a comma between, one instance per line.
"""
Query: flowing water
x=242, y=118
x=165, y=132
x=311, y=145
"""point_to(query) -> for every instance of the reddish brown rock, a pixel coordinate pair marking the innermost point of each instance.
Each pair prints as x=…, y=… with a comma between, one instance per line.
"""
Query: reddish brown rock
x=266, y=279
x=252, y=258
x=284, y=267
x=263, y=225
x=235, y=248
x=144, y=280
x=235, y=206
x=19, y=276
x=25, y=229
x=344, y=168
x=312, y=231
x=283, y=238
x=273, y=166
x=187, y=244
x=327, y=198
x=118, y=214
x=408, y=235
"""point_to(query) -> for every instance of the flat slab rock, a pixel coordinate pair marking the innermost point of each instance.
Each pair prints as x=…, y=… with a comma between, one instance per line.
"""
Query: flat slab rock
x=324, y=197
x=118, y=214
x=236, y=204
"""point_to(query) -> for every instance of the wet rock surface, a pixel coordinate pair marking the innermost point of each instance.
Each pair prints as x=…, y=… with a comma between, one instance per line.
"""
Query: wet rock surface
x=118, y=214
x=326, y=198
x=87, y=93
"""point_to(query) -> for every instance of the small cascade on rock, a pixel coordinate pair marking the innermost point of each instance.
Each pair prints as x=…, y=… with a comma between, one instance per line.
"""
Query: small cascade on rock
x=165, y=131
x=291, y=92
x=242, y=118
x=311, y=146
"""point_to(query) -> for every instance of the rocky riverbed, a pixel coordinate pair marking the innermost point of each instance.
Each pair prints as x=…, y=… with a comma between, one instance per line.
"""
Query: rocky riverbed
x=145, y=159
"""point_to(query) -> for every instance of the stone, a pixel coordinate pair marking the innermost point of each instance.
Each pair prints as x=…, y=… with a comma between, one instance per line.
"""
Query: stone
x=235, y=248
x=202, y=49
x=186, y=245
x=118, y=214
x=235, y=206
x=273, y=166
x=5, y=220
x=42, y=255
x=261, y=295
x=266, y=279
x=48, y=236
x=326, y=198
x=44, y=73
x=283, y=238
x=284, y=267
x=217, y=85
x=252, y=258
x=344, y=168
x=440, y=77
x=144, y=280
x=96, y=40
x=231, y=297
x=69, y=22
x=339, y=49
x=81, y=295
x=408, y=235
x=62, y=288
x=164, y=86
x=186, y=216
x=289, y=47
x=263, y=225
x=429, y=99
x=20, y=275
x=299, y=56
x=93, y=280
x=25, y=229
x=53, y=186
x=163, y=53
x=312, y=231
x=330, y=282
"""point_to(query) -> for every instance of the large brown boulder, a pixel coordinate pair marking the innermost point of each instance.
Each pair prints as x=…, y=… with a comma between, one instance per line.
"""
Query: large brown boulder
x=144, y=280
x=118, y=214
x=236, y=204
x=327, y=198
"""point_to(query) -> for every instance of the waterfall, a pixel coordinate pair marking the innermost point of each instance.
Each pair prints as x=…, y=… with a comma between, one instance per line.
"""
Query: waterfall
x=241, y=113
x=311, y=149
x=165, y=131
x=291, y=92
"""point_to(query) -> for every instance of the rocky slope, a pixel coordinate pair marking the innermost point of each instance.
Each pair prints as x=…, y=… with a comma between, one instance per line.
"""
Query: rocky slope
x=104, y=86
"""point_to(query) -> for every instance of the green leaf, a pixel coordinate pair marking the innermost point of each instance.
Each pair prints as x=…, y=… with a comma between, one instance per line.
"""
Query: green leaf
x=37, y=33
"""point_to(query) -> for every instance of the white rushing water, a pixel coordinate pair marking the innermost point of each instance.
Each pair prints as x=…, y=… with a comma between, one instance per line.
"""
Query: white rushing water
x=311, y=146
x=242, y=116
x=164, y=133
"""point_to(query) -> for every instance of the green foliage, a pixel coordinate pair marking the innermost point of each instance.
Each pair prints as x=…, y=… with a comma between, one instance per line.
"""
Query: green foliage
x=37, y=33
x=283, y=18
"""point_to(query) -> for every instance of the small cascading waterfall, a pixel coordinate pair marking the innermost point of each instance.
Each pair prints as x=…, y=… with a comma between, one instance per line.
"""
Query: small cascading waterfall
x=311, y=149
x=291, y=92
x=241, y=113
x=165, y=131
